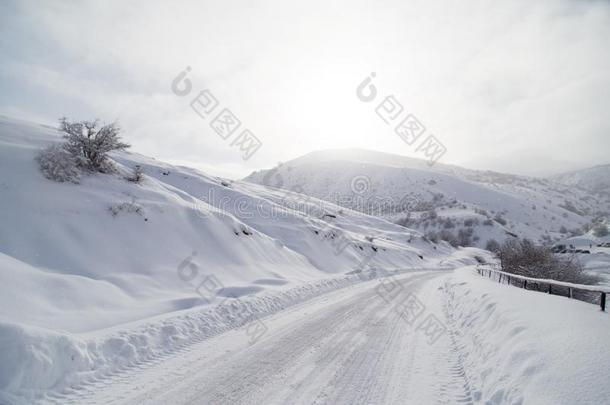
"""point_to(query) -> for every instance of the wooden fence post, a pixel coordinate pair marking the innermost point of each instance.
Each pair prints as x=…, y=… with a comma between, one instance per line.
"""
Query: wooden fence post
x=550, y=289
x=525, y=284
x=602, y=301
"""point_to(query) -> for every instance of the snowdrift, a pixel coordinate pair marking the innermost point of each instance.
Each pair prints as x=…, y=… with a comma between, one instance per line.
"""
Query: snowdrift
x=518, y=346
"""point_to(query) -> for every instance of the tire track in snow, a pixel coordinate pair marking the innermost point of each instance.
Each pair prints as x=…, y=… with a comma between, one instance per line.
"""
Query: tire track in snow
x=351, y=348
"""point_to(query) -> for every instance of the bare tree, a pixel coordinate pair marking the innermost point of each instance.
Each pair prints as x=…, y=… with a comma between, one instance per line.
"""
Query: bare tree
x=90, y=143
x=524, y=258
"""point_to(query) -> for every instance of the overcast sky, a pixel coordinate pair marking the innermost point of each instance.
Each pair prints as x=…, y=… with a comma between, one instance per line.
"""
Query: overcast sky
x=516, y=86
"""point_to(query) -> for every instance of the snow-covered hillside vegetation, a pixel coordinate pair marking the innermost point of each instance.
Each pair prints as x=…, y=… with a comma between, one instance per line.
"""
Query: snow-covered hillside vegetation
x=465, y=207
x=595, y=179
x=77, y=259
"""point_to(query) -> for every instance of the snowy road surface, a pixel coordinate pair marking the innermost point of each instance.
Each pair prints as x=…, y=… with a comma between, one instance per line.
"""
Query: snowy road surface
x=346, y=347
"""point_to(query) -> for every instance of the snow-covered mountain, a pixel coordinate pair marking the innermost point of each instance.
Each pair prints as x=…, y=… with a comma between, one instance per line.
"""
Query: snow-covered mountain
x=78, y=260
x=595, y=179
x=448, y=202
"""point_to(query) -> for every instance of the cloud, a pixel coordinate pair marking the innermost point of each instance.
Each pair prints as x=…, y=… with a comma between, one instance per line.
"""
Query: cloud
x=515, y=86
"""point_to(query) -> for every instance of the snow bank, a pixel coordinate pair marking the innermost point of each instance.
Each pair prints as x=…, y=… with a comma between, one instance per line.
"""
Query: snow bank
x=40, y=364
x=522, y=346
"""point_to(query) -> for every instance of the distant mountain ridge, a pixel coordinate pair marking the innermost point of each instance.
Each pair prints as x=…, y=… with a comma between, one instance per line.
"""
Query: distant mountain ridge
x=595, y=179
x=446, y=201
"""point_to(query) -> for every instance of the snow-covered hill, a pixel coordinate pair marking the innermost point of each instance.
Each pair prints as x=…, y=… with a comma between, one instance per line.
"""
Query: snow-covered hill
x=595, y=179
x=443, y=201
x=79, y=262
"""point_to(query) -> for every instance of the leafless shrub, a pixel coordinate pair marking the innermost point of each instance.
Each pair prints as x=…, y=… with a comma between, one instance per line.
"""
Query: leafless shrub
x=127, y=207
x=57, y=164
x=480, y=259
x=137, y=175
x=464, y=237
x=89, y=143
x=492, y=245
x=524, y=258
x=445, y=235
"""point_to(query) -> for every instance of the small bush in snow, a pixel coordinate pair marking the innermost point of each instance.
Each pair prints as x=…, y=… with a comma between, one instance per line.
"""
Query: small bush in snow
x=465, y=237
x=137, y=175
x=492, y=245
x=524, y=258
x=480, y=259
x=445, y=235
x=127, y=207
x=57, y=164
x=89, y=143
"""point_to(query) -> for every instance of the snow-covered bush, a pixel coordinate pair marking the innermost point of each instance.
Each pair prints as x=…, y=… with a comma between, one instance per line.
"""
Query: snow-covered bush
x=464, y=237
x=524, y=258
x=127, y=207
x=57, y=164
x=137, y=175
x=445, y=235
x=492, y=245
x=89, y=143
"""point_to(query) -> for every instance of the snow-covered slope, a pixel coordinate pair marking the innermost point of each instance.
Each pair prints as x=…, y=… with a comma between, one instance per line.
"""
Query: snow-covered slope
x=79, y=258
x=595, y=179
x=517, y=346
x=441, y=199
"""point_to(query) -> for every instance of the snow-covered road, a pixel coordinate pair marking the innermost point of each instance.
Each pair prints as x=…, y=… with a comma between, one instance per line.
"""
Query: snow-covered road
x=346, y=347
